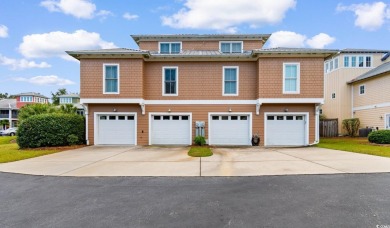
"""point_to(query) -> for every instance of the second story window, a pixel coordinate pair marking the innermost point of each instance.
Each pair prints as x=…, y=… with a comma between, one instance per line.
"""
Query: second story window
x=170, y=81
x=170, y=47
x=26, y=99
x=231, y=47
x=291, y=78
x=357, y=61
x=362, y=89
x=346, y=61
x=111, y=78
x=65, y=100
x=230, y=81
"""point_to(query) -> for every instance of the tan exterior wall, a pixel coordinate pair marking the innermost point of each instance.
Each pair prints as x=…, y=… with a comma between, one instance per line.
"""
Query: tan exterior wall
x=200, y=80
x=199, y=113
x=271, y=77
x=200, y=45
x=336, y=82
x=377, y=90
x=130, y=79
x=372, y=117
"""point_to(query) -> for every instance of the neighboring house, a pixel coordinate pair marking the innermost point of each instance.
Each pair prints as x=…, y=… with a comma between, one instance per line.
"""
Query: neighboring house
x=371, y=97
x=339, y=70
x=8, y=111
x=73, y=99
x=156, y=95
x=30, y=98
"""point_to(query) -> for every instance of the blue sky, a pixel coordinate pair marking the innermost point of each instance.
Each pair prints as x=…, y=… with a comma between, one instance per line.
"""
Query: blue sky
x=35, y=33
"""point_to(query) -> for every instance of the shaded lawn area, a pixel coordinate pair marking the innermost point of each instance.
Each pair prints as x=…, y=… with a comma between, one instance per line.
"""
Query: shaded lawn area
x=200, y=151
x=9, y=150
x=357, y=145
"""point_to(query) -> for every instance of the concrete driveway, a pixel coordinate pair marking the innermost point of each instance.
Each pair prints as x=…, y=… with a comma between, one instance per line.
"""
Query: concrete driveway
x=174, y=161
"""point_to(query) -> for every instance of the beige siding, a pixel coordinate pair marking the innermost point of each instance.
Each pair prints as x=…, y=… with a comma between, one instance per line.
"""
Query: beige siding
x=377, y=91
x=372, y=117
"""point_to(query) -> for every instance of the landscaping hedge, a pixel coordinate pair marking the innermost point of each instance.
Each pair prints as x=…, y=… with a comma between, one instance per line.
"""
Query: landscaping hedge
x=54, y=129
x=379, y=137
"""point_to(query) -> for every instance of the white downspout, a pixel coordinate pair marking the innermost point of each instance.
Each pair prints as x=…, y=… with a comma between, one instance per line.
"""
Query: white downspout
x=352, y=114
x=86, y=122
x=317, y=125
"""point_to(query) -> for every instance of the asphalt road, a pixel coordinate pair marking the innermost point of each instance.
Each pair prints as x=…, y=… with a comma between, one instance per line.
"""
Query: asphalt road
x=267, y=201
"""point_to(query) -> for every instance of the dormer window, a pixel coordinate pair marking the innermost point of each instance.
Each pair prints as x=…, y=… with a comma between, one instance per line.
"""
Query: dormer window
x=231, y=47
x=170, y=47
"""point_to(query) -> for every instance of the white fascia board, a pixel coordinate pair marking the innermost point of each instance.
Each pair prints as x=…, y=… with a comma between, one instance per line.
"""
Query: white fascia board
x=381, y=105
x=291, y=100
x=111, y=101
x=198, y=102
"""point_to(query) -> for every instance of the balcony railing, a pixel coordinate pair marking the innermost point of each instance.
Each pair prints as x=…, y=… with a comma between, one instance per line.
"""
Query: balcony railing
x=15, y=116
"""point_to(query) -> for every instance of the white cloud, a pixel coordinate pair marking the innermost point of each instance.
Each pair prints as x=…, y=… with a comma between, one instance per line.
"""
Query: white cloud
x=226, y=16
x=296, y=40
x=16, y=64
x=320, y=41
x=45, y=80
x=54, y=44
x=369, y=17
x=3, y=31
x=83, y=9
x=130, y=17
x=286, y=39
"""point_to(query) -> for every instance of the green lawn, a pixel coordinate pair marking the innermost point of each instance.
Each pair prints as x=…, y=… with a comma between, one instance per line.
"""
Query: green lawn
x=198, y=151
x=357, y=145
x=9, y=151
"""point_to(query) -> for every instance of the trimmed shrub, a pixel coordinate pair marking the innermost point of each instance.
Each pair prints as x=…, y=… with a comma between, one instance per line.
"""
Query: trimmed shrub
x=200, y=140
x=352, y=126
x=54, y=129
x=379, y=137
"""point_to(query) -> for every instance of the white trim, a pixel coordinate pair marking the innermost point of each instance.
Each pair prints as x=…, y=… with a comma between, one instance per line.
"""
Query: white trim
x=357, y=61
x=298, y=78
x=387, y=124
x=104, y=77
x=198, y=102
x=96, y=127
x=237, y=80
x=291, y=100
x=229, y=114
x=231, y=46
x=111, y=101
x=169, y=114
x=307, y=122
x=163, y=80
x=86, y=113
x=381, y=105
x=170, y=49
x=364, y=85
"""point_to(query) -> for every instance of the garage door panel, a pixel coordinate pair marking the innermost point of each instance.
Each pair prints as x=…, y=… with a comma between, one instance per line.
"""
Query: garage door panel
x=286, y=131
x=116, y=130
x=229, y=130
x=172, y=131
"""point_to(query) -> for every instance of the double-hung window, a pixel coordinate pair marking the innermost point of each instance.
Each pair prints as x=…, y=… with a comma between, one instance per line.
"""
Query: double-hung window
x=111, y=78
x=362, y=89
x=230, y=81
x=170, y=47
x=346, y=61
x=291, y=78
x=231, y=47
x=170, y=81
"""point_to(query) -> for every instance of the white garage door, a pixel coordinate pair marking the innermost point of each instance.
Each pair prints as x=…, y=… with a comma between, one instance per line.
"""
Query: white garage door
x=285, y=130
x=170, y=130
x=229, y=130
x=116, y=129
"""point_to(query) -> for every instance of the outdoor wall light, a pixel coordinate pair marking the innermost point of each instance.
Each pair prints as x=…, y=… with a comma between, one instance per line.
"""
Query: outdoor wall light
x=114, y=109
x=286, y=110
x=230, y=109
x=169, y=110
x=381, y=117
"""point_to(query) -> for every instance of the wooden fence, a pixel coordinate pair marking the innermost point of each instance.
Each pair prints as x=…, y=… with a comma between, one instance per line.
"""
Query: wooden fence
x=329, y=128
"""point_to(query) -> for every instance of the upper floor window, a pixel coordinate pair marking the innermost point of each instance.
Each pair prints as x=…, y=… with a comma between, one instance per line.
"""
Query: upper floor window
x=26, y=98
x=170, y=47
x=65, y=100
x=336, y=63
x=230, y=81
x=346, y=61
x=291, y=77
x=362, y=89
x=170, y=81
x=368, y=61
x=231, y=47
x=333, y=95
x=331, y=65
x=357, y=61
x=111, y=78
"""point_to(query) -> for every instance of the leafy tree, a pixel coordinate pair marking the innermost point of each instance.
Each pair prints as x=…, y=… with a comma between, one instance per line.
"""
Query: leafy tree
x=54, y=96
x=6, y=96
x=68, y=109
x=35, y=109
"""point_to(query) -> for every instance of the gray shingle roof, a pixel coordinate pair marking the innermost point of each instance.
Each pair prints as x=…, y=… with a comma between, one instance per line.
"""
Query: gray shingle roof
x=5, y=103
x=71, y=95
x=294, y=50
x=31, y=94
x=383, y=68
x=357, y=50
x=199, y=37
x=108, y=51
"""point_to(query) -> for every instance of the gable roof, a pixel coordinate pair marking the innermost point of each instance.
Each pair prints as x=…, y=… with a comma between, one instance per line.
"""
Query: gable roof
x=381, y=69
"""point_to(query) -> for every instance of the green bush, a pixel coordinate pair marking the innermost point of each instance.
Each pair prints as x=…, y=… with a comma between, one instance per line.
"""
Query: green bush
x=352, y=126
x=379, y=137
x=200, y=140
x=54, y=129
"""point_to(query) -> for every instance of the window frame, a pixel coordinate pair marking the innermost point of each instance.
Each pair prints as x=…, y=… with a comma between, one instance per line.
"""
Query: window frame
x=357, y=59
x=298, y=86
x=163, y=81
x=170, y=47
x=237, y=80
x=364, y=89
x=231, y=46
x=104, y=77
x=333, y=97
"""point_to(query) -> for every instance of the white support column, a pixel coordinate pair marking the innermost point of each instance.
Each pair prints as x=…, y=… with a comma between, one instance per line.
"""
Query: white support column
x=10, y=115
x=317, y=122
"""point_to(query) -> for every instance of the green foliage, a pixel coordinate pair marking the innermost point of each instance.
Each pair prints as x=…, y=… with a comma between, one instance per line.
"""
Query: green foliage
x=68, y=109
x=379, y=137
x=200, y=152
x=52, y=129
x=322, y=117
x=200, y=140
x=54, y=96
x=35, y=109
x=6, y=96
x=4, y=122
x=351, y=126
